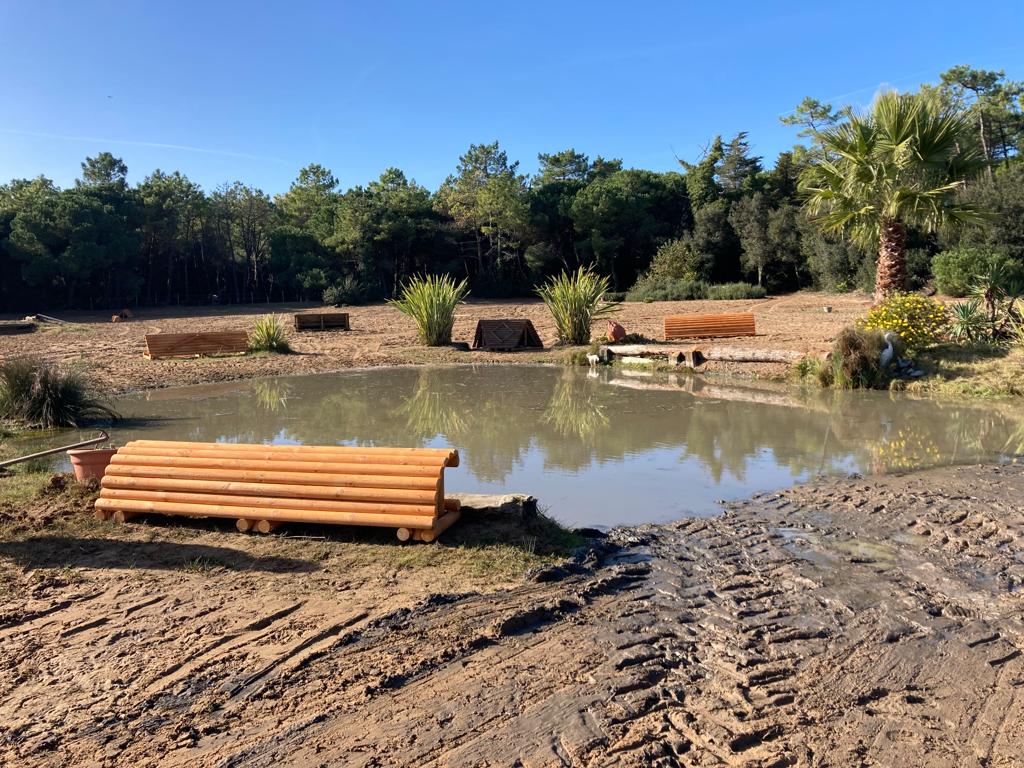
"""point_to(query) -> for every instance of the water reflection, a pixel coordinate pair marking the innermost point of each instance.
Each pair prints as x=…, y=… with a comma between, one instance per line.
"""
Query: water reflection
x=599, y=449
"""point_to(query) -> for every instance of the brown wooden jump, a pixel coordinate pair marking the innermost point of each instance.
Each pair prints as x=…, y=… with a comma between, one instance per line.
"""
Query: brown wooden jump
x=262, y=486
x=709, y=326
x=321, y=321
x=191, y=344
x=506, y=335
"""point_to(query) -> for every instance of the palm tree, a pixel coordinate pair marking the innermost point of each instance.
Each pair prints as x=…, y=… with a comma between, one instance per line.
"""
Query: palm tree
x=900, y=165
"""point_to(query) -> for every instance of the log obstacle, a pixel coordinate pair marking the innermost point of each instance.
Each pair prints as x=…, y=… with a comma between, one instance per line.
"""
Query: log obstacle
x=160, y=345
x=321, y=321
x=262, y=486
x=709, y=326
x=506, y=335
x=694, y=356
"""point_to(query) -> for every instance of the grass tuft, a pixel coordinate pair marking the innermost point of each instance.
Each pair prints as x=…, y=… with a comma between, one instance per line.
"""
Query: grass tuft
x=430, y=301
x=268, y=336
x=36, y=393
x=574, y=301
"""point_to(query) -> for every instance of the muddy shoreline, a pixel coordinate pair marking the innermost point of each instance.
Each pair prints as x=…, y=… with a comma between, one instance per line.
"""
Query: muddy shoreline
x=848, y=622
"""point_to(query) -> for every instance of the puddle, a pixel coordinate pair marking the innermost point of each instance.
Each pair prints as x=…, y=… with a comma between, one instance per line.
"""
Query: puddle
x=598, y=448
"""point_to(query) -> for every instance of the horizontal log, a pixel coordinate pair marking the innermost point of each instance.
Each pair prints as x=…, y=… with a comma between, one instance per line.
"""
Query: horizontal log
x=441, y=525
x=751, y=354
x=632, y=360
x=297, y=464
x=128, y=506
x=361, y=465
x=256, y=503
x=267, y=526
x=244, y=524
x=699, y=353
x=271, y=490
x=413, y=455
x=382, y=482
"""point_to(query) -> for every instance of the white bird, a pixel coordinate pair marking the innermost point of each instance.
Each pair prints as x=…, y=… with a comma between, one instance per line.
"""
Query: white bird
x=593, y=360
x=886, y=356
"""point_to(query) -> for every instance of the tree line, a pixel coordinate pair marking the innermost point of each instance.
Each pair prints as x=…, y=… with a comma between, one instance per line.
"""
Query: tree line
x=722, y=217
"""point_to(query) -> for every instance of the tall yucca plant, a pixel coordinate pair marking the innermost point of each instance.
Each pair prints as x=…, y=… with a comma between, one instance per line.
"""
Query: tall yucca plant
x=574, y=300
x=899, y=165
x=431, y=302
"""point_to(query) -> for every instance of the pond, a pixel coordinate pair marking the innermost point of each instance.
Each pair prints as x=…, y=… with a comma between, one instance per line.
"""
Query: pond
x=597, y=448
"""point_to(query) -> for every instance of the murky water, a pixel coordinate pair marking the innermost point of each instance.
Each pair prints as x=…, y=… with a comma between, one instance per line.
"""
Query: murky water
x=597, y=448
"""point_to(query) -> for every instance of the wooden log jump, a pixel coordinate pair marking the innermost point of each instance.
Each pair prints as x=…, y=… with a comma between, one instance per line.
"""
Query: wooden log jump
x=321, y=321
x=262, y=486
x=709, y=326
x=159, y=345
x=696, y=355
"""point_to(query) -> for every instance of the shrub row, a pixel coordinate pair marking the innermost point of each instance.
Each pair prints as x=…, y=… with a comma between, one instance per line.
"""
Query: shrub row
x=674, y=289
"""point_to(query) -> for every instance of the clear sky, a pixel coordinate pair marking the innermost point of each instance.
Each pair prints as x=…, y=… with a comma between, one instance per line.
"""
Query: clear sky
x=224, y=90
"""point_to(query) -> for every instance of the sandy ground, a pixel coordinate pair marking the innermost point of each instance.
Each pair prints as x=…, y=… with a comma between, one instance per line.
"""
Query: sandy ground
x=854, y=622
x=112, y=352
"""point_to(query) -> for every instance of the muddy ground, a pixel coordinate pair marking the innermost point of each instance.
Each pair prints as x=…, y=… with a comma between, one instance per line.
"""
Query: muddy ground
x=852, y=622
x=380, y=335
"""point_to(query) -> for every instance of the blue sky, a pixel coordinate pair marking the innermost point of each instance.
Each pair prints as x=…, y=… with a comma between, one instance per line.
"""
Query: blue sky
x=255, y=90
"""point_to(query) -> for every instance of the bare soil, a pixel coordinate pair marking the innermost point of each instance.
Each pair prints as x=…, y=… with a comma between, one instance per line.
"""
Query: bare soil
x=852, y=622
x=380, y=335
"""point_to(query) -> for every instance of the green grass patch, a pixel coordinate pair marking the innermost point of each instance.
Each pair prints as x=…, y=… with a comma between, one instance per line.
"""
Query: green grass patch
x=981, y=370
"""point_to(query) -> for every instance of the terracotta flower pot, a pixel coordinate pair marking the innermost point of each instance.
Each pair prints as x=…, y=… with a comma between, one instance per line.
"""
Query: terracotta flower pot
x=90, y=463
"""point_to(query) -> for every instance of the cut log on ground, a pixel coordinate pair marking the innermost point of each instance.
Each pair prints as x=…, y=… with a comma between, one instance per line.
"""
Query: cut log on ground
x=262, y=486
x=696, y=355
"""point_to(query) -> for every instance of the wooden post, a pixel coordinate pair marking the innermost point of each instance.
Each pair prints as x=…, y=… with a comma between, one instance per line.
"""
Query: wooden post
x=244, y=525
x=267, y=526
x=404, y=534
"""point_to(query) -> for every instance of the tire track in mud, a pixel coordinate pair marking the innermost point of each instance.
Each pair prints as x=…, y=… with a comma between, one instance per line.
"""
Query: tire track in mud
x=863, y=622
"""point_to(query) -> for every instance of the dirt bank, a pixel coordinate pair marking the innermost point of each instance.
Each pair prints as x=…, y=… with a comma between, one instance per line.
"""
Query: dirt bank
x=380, y=335
x=866, y=622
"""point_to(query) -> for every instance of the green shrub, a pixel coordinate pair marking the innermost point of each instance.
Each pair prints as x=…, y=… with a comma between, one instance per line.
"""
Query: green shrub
x=917, y=320
x=855, y=361
x=968, y=322
x=345, y=292
x=679, y=260
x=614, y=296
x=39, y=394
x=955, y=271
x=574, y=301
x=736, y=291
x=430, y=301
x=268, y=335
x=653, y=288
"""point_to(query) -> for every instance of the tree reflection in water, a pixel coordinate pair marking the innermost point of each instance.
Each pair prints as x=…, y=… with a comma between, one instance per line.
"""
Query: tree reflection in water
x=543, y=429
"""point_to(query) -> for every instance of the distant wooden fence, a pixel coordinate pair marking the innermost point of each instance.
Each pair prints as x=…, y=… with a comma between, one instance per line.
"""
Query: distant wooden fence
x=709, y=326
x=506, y=335
x=191, y=344
x=321, y=321
x=262, y=486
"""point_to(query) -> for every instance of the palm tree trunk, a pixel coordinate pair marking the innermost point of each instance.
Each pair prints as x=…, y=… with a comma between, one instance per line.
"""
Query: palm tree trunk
x=891, y=275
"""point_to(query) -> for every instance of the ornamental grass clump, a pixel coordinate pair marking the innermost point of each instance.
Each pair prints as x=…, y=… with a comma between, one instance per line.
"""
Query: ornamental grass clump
x=855, y=362
x=919, y=321
x=268, y=335
x=39, y=394
x=430, y=301
x=574, y=300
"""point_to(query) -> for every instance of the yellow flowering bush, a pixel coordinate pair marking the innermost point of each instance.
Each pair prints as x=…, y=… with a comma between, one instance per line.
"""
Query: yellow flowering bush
x=917, y=320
